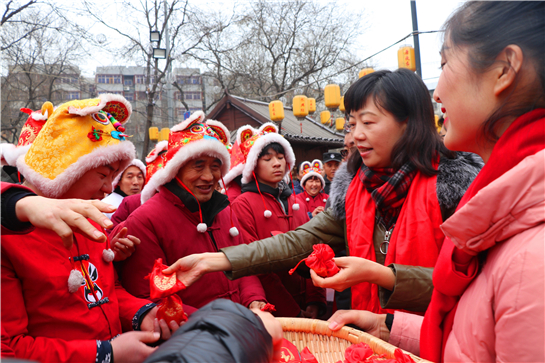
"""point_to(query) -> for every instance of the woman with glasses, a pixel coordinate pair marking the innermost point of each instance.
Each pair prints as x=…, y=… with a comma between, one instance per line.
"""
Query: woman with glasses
x=386, y=203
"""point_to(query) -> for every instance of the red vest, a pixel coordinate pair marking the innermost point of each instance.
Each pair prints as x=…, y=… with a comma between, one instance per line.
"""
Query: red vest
x=416, y=239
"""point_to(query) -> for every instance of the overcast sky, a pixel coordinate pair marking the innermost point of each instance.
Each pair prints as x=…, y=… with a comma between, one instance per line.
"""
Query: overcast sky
x=387, y=21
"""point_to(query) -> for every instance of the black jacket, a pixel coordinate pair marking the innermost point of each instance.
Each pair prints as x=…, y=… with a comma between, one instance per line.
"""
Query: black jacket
x=221, y=331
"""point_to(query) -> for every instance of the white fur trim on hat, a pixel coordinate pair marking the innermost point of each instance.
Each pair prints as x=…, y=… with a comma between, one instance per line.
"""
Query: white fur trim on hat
x=135, y=162
x=197, y=115
x=5, y=153
x=259, y=145
x=190, y=151
x=104, y=155
x=232, y=174
x=161, y=146
x=244, y=128
x=267, y=124
x=104, y=99
x=312, y=173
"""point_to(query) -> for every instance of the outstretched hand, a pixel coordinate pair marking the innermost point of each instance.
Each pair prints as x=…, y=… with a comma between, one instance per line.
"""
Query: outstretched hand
x=374, y=324
x=191, y=268
x=354, y=270
x=65, y=216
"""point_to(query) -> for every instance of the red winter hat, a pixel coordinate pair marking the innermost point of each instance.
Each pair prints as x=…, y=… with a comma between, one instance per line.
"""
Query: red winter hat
x=190, y=139
x=155, y=159
x=34, y=123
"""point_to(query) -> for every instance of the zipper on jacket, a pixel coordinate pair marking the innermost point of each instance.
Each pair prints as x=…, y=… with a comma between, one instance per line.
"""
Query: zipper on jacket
x=386, y=242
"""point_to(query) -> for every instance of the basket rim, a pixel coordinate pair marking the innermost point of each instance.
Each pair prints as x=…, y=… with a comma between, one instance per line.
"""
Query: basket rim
x=352, y=335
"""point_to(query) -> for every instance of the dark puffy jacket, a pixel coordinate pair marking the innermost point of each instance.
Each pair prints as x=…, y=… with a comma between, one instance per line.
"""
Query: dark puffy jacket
x=221, y=331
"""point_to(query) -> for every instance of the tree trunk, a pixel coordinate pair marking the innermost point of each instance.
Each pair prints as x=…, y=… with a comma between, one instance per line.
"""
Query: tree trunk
x=149, y=118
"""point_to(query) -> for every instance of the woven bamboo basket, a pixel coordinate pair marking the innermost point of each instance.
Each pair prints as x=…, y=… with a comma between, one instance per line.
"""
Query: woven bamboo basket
x=329, y=346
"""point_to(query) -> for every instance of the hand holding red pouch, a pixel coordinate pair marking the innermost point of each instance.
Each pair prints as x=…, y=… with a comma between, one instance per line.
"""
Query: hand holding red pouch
x=161, y=285
x=171, y=308
x=321, y=261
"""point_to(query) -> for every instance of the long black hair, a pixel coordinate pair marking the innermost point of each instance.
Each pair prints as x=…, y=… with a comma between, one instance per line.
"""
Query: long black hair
x=486, y=28
x=403, y=94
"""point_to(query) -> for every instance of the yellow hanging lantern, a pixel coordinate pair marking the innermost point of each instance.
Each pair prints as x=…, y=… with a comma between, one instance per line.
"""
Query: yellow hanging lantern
x=153, y=133
x=365, y=72
x=341, y=106
x=339, y=124
x=325, y=116
x=406, y=58
x=276, y=111
x=332, y=93
x=311, y=105
x=300, y=107
x=163, y=136
x=437, y=123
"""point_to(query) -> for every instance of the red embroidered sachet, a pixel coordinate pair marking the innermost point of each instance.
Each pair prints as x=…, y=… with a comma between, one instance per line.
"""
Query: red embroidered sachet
x=402, y=357
x=171, y=308
x=357, y=353
x=307, y=356
x=161, y=285
x=268, y=308
x=321, y=261
x=288, y=353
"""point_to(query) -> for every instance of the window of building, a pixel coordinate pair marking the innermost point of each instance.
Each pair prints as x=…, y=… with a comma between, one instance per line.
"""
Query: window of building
x=127, y=82
x=129, y=96
x=114, y=92
x=188, y=95
x=72, y=95
x=195, y=80
x=109, y=78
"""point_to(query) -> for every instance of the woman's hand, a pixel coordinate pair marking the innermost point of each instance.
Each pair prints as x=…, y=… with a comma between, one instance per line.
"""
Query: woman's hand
x=152, y=324
x=354, y=270
x=65, y=216
x=191, y=268
x=123, y=245
x=374, y=324
x=317, y=210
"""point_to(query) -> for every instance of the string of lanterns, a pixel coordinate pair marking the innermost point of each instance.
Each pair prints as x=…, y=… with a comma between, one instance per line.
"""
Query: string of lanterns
x=302, y=106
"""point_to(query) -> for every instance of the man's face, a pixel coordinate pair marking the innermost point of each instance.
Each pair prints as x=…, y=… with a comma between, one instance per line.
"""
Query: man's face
x=94, y=183
x=201, y=176
x=348, y=145
x=132, y=180
x=330, y=168
x=271, y=168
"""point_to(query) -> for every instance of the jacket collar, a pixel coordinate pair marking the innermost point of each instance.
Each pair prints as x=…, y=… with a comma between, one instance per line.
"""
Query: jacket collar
x=210, y=209
x=507, y=206
x=282, y=193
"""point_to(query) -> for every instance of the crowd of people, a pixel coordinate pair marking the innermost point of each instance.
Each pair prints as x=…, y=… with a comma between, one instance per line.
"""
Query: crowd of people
x=439, y=237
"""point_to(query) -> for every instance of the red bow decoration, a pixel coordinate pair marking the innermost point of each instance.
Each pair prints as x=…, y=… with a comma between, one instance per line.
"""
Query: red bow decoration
x=161, y=285
x=170, y=309
x=321, y=261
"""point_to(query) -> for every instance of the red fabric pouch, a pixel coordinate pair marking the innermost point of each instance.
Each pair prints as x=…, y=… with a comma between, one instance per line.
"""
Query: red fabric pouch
x=161, y=285
x=171, y=308
x=321, y=261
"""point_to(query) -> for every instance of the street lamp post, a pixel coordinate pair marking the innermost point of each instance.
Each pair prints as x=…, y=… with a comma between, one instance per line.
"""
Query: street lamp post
x=415, y=39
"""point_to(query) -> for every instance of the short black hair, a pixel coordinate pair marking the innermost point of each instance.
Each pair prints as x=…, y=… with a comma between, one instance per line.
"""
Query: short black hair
x=279, y=149
x=403, y=94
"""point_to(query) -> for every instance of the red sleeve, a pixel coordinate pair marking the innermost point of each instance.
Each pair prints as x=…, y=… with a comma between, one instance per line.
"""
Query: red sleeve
x=121, y=214
x=128, y=305
x=15, y=323
x=244, y=214
x=133, y=270
x=301, y=200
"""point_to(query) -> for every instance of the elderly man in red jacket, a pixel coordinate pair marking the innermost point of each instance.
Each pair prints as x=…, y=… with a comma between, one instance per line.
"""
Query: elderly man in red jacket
x=184, y=214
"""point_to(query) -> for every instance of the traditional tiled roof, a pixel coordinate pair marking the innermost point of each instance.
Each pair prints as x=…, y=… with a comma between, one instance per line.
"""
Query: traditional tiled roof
x=313, y=132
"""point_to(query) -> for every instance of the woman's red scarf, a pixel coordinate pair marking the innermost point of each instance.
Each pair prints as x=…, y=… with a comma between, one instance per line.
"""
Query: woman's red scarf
x=524, y=137
x=417, y=230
